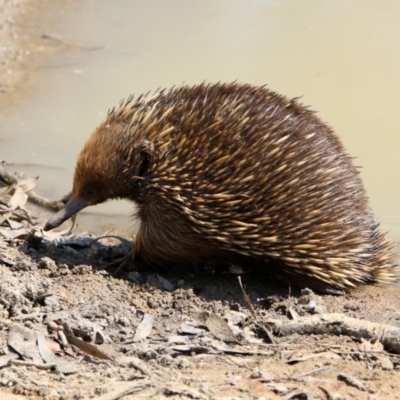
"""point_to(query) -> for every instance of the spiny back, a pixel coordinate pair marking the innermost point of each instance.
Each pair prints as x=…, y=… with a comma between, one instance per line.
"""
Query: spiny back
x=247, y=171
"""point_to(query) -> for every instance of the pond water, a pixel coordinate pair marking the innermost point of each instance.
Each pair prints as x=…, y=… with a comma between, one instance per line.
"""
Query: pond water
x=342, y=56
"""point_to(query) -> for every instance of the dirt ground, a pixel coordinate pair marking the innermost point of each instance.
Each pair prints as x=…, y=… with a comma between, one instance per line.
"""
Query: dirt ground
x=71, y=328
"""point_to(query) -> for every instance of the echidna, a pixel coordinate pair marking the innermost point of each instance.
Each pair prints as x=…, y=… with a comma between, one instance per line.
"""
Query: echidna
x=235, y=171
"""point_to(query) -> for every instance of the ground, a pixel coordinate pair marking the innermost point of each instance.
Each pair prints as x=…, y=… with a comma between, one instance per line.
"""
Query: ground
x=71, y=328
x=164, y=334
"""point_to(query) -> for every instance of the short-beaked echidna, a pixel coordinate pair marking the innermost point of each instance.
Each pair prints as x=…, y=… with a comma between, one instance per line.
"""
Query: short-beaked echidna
x=226, y=170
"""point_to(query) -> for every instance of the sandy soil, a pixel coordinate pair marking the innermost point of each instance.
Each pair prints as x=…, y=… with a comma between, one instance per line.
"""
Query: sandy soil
x=175, y=333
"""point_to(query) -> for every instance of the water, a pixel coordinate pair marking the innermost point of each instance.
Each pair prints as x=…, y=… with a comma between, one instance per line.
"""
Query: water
x=342, y=56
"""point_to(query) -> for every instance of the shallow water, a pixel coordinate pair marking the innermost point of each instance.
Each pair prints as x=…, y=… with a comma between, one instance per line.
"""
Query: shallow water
x=341, y=56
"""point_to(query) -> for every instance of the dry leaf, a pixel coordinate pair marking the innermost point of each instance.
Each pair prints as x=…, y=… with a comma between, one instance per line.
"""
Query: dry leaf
x=144, y=328
x=5, y=217
x=217, y=326
x=14, y=234
x=188, y=329
x=18, y=199
x=50, y=358
x=23, y=341
x=87, y=347
x=14, y=224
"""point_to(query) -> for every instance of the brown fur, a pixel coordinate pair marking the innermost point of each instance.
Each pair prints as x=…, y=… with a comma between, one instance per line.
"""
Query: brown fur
x=225, y=169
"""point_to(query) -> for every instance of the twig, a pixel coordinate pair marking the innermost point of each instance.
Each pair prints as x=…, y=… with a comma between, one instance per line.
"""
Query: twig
x=247, y=300
x=358, y=353
x=128, y=389
x=351, y=381
x=309, y=373
x=234, y=362
x=340, y=324
x=32, y=364
x=291, y=378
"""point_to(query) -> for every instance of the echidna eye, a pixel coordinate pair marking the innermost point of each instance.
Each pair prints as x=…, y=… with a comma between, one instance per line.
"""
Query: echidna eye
x=89, y=191
x=145, y=164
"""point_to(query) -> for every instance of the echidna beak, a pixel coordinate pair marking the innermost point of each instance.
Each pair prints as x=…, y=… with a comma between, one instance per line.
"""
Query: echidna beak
x=73, y=206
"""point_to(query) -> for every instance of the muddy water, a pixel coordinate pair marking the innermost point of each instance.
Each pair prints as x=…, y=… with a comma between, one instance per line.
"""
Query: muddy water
x=342, y=56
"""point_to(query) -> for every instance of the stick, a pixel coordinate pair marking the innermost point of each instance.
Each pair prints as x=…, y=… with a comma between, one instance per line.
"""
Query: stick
x=340, y=324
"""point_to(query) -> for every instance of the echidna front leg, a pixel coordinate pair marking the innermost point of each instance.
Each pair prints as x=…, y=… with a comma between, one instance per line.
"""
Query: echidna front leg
x=127, y=261
x=131, y=260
